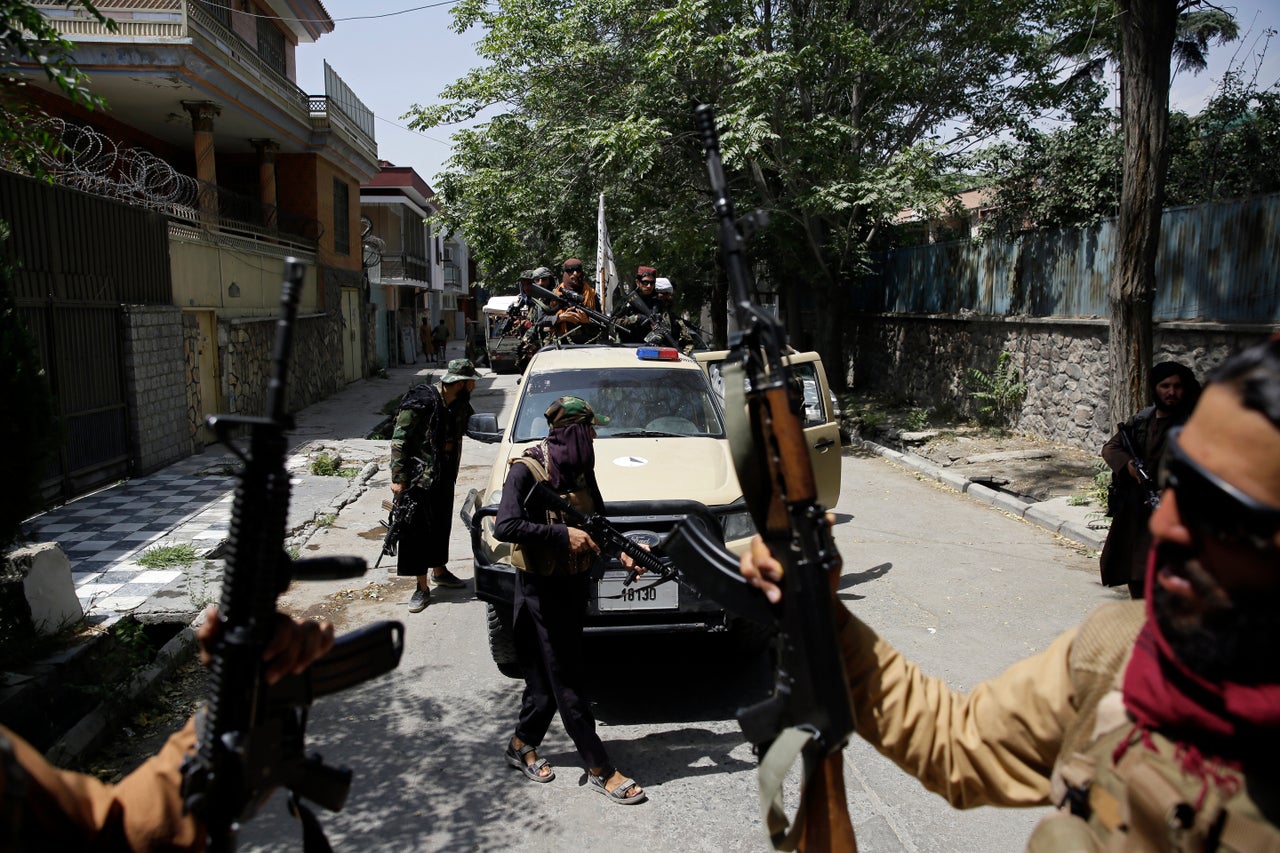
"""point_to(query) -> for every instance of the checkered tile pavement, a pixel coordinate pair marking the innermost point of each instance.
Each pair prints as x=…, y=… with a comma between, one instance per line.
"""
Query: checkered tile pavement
x=105, y=533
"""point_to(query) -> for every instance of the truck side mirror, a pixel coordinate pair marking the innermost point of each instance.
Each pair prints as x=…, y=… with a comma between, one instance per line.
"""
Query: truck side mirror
x=484, y=427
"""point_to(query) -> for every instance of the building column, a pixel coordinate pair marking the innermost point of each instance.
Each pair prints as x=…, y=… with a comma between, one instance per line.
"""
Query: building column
x=202, y=115
x=267, y=149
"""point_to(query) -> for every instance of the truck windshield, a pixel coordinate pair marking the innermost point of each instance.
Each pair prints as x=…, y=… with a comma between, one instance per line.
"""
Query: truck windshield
x=638, y=401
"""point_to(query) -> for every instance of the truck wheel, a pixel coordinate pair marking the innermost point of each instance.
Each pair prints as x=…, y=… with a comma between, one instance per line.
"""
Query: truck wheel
x=502, y=642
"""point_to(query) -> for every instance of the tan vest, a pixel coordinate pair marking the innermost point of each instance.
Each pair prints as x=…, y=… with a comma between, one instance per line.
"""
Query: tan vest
x=542, y=559
x=1122, y=789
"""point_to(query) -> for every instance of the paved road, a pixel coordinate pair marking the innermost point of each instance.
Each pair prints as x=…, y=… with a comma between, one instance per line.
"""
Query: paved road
x=958, y=586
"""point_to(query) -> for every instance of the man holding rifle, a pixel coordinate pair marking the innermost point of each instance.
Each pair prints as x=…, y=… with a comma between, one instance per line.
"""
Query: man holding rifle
x=571, y=321
x=1155, y=725
x=426, y=449
x=1133, y=454
x=42, y=806
x=551, y=596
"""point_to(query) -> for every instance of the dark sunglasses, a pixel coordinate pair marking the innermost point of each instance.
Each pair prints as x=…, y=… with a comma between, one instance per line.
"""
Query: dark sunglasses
x=1211, y=507
x=573, y=269
x=646, y=280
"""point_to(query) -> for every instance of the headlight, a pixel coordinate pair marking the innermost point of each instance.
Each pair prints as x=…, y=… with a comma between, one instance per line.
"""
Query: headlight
x=737, y=525
x=495, y=497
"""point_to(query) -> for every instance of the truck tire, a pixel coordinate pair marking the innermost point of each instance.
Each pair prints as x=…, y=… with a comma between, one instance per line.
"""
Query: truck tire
x=502, y=641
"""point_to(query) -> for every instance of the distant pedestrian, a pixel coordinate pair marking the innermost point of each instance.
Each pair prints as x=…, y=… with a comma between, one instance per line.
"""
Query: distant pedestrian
x=426, y=449
x=440, y=337
x=428, y=342
x=551, y=594
x=1174, y=392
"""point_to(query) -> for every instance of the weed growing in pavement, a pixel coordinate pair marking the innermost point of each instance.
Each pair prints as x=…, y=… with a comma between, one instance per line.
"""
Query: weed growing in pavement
x=998, y=394
x=917, y=419
x=326, y=520
x=1096, y=493
x=325, y=465
x=168, y=556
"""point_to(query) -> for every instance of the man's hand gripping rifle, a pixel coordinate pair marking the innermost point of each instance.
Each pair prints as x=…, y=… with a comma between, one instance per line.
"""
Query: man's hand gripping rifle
x=809, y=713
x=403, y=510
x=610, y=539
x=1151, y=493
x=251, y=736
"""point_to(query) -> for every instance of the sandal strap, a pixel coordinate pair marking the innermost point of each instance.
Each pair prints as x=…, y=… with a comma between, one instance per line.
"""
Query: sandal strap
x=620, y=792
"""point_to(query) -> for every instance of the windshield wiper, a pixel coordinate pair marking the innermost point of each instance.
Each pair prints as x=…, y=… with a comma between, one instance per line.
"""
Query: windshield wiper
x=645, y=433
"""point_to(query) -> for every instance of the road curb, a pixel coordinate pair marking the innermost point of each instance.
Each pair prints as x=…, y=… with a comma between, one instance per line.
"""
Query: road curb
x=104, y=721
x=1035, y=513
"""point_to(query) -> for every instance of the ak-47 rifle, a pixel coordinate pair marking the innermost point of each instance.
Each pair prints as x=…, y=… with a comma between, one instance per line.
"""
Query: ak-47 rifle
x=1145, y=480
x=400, y=517
x=251, y=735
x=809, y=713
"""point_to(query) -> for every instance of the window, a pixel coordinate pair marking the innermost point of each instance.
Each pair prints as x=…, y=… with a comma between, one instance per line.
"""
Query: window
x=271, y=45
x=220, y=10
x=341, y=217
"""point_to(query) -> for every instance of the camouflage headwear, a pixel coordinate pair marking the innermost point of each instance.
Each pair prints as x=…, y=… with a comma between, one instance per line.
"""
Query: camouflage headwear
x=459, y=370
x=526, y=275
x=572, y=410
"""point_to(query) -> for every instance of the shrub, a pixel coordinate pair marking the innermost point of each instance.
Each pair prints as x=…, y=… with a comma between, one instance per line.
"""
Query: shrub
x=998, y=394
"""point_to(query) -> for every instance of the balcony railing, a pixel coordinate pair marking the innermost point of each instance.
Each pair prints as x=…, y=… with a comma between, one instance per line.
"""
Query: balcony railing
x=405, y=267
x=176, y=19
x=327, y=114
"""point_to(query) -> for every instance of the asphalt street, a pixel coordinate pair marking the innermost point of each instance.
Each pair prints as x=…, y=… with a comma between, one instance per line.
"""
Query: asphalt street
x=958, y=586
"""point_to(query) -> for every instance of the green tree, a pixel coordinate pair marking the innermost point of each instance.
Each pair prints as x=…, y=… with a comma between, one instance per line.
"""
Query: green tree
x=835, y=116
x=27, y=38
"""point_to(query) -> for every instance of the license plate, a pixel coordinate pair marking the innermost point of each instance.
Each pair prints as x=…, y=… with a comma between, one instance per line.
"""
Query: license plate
x=641, y=595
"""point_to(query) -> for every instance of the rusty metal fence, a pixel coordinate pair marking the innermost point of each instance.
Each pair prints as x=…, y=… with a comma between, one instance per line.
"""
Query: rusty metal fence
x=1217, y=261
x=79, y=257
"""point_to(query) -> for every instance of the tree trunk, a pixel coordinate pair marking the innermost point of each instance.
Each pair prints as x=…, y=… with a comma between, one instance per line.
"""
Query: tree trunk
x=1147, y=32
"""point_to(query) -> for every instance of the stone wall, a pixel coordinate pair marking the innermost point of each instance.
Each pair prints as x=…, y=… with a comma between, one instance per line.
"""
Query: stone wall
x=926, y=359
x=154, y=386
x=245, y=351
x=191, y=368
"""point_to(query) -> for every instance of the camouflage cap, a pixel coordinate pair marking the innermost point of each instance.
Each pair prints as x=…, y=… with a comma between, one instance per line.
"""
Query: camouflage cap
x=526, y=275
x=459, y=370
x=573, y=410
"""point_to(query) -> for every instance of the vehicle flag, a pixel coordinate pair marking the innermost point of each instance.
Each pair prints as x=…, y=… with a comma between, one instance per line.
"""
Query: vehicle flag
x=606, y=269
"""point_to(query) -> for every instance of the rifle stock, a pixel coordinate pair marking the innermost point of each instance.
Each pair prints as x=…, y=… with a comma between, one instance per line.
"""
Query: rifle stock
x=809, y=714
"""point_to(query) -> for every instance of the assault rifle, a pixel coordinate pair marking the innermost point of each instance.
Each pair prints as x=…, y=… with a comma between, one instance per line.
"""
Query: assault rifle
x=809, y=714
x=401, y=516
x=574, y=300
x=403, y=510
x=610, y=539
x=251, y=736
x=1151, y=493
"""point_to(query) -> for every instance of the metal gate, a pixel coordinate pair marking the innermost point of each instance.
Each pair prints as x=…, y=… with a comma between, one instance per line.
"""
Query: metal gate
x=79, y=257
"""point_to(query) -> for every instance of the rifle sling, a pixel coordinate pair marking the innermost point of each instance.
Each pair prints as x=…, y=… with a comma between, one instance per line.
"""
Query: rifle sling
x=782, y=754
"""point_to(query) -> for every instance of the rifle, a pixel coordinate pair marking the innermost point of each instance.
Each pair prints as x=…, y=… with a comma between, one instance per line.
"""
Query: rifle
x=610, y=539
x=809, y=713
x=251, y=736
x=1145, y=480
x=574, y=300
x=401, y=516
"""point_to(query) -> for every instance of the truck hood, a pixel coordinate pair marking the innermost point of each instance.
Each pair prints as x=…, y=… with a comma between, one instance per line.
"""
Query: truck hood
x=689, y=468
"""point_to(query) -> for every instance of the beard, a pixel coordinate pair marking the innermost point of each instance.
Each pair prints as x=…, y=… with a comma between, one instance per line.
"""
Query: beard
x=1225, y=640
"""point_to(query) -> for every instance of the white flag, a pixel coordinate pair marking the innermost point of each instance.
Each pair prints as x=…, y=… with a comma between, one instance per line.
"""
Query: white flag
x=606, y=269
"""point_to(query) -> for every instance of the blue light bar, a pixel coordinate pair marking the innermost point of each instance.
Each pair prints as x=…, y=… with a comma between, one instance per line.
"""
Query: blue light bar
x=657, y=353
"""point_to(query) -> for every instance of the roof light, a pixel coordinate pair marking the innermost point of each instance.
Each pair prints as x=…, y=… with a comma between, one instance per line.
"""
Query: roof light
x=657, y=353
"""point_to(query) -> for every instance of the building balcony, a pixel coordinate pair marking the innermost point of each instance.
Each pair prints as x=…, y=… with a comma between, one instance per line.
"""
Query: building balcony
x=406, y=270
x=165, y=52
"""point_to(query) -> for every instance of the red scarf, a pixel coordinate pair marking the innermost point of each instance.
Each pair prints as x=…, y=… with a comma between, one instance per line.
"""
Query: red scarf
x=1163, y=695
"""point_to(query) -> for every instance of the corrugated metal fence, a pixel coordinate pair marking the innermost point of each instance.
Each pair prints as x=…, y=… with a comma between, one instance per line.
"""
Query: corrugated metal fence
x=1216, y=261
x=79, y=257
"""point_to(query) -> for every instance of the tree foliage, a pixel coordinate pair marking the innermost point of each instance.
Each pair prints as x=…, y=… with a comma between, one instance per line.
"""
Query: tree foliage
x=835, y=115
x=28, y=38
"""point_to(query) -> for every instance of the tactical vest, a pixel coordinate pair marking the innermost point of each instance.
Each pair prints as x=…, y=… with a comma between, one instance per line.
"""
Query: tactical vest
x=1121, y=788
x=542, y=559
